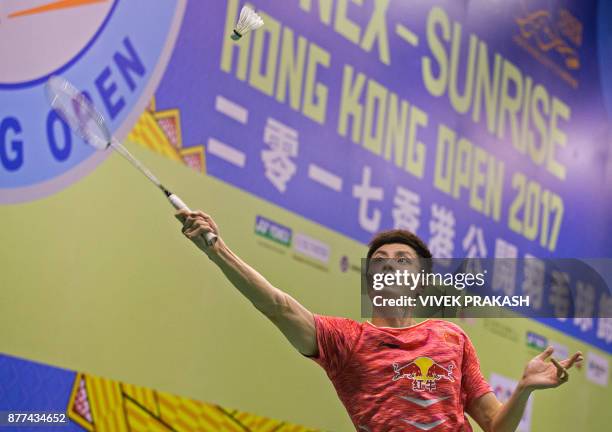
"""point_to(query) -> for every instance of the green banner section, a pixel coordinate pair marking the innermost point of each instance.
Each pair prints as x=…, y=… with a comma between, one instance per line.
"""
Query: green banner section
x=98, y=278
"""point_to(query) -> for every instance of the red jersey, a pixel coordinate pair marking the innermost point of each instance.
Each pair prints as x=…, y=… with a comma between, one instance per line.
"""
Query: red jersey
x=417, y=378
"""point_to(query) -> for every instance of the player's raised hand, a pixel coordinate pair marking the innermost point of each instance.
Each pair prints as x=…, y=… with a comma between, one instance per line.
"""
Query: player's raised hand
x=541, y=373
x=195, y=226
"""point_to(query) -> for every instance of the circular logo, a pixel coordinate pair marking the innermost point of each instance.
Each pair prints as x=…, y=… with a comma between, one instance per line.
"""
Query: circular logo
x=344, y=264
x=106, y=48
x=40, y=38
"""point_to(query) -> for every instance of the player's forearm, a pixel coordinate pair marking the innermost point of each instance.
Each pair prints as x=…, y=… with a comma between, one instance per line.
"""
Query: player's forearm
x=291, y=318
x=264, y=296
x=510, y=413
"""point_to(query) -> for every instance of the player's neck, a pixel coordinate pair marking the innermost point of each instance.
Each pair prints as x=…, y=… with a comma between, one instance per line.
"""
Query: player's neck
x=394, y=322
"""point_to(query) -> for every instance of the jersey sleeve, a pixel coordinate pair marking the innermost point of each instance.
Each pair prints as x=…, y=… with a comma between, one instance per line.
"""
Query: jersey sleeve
x=473, y=383
x=336, y=339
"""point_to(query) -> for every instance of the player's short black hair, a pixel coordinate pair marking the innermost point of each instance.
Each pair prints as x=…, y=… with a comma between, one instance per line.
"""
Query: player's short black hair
x=405, y=237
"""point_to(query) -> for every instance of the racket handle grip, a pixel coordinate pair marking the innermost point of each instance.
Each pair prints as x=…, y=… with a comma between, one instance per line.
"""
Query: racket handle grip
x=178, y=204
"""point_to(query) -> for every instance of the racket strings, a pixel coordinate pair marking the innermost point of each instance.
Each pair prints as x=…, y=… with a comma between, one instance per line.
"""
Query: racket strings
x=75, y=108
x=78, y=111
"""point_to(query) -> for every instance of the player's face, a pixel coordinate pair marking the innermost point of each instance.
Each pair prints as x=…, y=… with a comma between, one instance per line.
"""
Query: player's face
x=392, y=257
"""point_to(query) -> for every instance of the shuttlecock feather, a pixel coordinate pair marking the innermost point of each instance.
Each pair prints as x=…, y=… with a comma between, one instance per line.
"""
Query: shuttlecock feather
x=248, y=21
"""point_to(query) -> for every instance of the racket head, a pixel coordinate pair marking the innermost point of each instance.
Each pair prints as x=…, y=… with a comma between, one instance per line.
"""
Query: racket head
x=75, y=108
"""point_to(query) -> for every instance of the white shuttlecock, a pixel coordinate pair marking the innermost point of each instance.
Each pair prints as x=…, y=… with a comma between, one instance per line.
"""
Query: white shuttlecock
x=248, y=21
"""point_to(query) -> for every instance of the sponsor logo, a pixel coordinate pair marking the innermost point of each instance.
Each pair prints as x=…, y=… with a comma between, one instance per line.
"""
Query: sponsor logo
x=560, y=351
x=536, y=341
x=311, y=247
x=424, y=372
x=597, y=369
x=553, y=38
x=501, y=328
x=345, y=265
x=273, y=231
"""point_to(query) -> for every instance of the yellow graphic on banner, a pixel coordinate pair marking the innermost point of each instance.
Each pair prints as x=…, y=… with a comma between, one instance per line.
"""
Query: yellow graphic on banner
x=100, y=405
x=546, y=35
x=160, y=131
x=148, y=133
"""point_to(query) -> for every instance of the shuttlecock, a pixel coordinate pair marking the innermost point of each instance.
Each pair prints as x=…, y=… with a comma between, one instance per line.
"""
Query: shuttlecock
x=248, y=21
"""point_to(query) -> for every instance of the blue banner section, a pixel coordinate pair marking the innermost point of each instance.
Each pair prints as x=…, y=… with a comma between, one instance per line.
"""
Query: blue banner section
x=26, y=386
x=478, y=125
x=568, y=290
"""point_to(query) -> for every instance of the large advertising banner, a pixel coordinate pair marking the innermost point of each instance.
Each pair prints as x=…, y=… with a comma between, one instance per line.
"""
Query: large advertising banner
x=482, y=126
x=479, y=126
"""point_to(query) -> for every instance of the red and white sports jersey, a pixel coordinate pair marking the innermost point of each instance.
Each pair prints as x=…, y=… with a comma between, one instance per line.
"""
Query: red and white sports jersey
x=417, y=378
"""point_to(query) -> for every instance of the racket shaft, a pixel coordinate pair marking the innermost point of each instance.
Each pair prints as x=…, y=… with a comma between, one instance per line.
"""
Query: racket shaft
x=119, y=148
x=180, y=205
x=174, y=199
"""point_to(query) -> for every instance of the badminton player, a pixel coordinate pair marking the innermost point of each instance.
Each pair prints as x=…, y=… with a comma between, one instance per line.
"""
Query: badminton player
x=391, y=374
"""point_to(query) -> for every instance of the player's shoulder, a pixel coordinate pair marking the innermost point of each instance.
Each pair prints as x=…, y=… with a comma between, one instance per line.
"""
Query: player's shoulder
x=338, y=322
x=451, y=332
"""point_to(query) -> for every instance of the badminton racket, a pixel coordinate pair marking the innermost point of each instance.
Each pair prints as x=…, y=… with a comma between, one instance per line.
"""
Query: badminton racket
x=77, y=110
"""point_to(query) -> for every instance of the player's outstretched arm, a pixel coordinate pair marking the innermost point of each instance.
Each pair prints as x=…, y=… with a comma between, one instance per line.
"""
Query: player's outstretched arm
x=293, y=319
x=538, y=374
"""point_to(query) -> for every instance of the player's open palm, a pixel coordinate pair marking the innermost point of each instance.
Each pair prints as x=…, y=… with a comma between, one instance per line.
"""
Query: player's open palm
x=541, y=373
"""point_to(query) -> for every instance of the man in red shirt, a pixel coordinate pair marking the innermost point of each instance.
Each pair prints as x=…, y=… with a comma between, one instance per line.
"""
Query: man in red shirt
x=391, y=374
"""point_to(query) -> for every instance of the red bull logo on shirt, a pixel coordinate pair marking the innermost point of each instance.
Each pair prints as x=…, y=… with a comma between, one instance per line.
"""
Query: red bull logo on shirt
x=423, y=372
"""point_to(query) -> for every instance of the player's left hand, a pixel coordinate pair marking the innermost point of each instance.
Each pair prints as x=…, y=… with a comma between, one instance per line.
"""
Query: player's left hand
x=541, y=373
